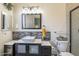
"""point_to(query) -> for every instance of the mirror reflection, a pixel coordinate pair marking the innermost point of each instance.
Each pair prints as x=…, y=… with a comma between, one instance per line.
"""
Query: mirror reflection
x=31, y=21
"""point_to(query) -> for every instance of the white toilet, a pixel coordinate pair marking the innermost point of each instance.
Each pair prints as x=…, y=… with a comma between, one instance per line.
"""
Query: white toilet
x=62, y=46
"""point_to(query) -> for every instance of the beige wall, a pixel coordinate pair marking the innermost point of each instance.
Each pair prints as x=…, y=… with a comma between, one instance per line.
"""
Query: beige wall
x=5, y=36
x=53, y=16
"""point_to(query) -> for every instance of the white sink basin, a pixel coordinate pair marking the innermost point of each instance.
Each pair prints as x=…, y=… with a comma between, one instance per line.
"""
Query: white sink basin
x=28, y=38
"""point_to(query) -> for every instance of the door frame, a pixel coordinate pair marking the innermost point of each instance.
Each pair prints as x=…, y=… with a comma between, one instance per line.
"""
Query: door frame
x=71, y=27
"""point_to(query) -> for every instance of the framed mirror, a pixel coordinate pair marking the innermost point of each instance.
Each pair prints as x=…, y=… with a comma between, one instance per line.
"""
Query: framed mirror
x=4, y=21
x=31, y=21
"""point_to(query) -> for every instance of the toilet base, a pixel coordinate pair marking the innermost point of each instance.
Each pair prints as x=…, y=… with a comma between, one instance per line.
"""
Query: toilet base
x=65, y=54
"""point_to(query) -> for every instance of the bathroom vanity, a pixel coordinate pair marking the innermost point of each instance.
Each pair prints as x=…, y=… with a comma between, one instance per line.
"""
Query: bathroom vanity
x=35, y=48
x=21, y=47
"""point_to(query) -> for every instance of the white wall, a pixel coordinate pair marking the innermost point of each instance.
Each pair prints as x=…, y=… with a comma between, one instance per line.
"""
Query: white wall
x=53, y=16
x=5, y=36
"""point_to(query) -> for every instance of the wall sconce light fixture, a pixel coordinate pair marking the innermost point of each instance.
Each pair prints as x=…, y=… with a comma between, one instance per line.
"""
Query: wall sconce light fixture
x=32, y=10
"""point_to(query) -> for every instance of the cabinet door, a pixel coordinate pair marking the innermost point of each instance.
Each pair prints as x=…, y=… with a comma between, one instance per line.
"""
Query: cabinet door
x=34, y=49
x=46, y=50
x=8, y=50
x=20, y=49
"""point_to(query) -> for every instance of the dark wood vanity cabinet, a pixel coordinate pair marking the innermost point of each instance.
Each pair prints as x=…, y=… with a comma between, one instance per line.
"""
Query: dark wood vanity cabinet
x=8, y=50
x=46, y=50
x=23, y=49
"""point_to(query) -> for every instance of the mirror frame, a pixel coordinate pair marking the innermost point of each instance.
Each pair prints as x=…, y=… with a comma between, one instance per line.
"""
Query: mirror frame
x=3, y=13
x=31, y=14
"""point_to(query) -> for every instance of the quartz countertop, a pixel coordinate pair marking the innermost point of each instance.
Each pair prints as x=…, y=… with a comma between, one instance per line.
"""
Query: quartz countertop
x=36, y=41
x=11, y=42
x=45, y=43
